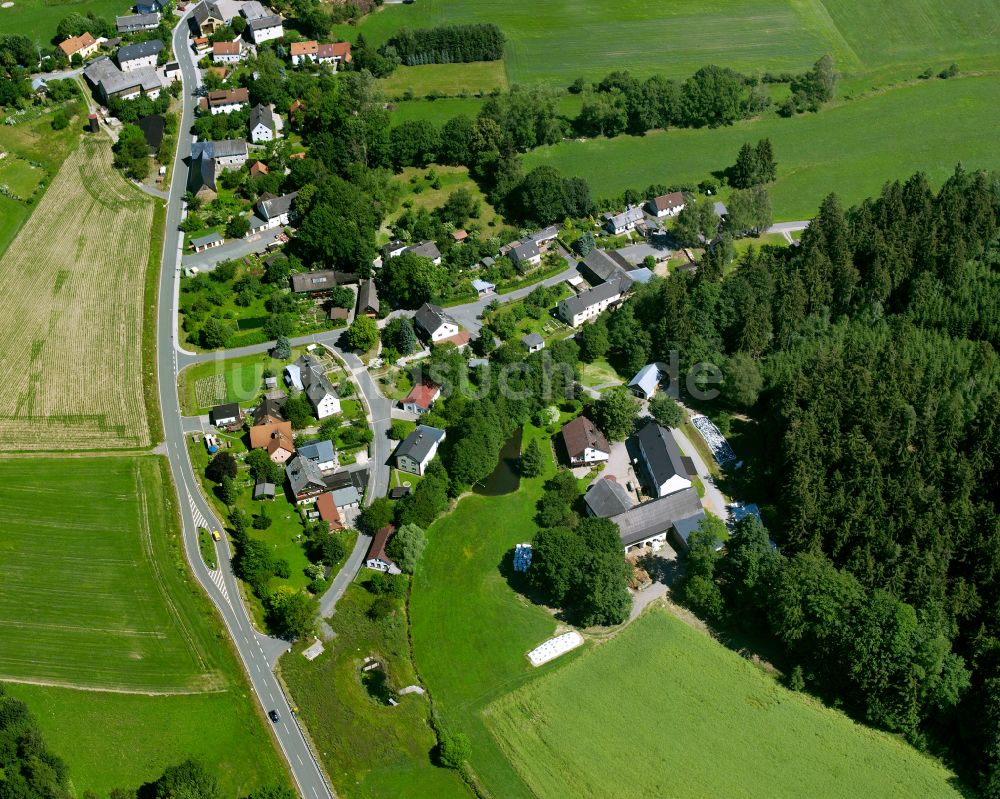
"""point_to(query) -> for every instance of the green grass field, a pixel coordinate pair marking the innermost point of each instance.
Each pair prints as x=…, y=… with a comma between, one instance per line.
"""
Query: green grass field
x=370, y=749
x=851, y=149
x=437, y=111
x=38, y=18
x=663, y=710
x=450, y=178
x=470, y=630
x=446, y=79
x=20, y=176
x=131, y=669
x=233, y=380
x=113, y=740
x=554, y=43
x=90, y=571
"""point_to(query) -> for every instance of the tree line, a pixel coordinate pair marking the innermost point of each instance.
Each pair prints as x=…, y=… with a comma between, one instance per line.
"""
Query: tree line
x=446, y=44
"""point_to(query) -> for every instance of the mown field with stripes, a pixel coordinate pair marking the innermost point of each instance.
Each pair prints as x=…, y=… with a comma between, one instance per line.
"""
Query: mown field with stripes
x=71, y=313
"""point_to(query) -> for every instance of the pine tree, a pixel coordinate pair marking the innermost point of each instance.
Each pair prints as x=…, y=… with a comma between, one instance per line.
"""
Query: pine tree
x=745, y=171
x=228, y=490
x=531, y=460
x=767, y=168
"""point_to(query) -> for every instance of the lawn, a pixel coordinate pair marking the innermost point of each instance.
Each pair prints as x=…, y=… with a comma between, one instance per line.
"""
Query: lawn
x=38, y=18
x=370, y=749
x=449, y=80
x=554, y=43
x=598, y=373
x=437, y=111
x=470, y=629
x=710, y=723
x=113, y=740
x=20, y=176
x=71, y=357
x=88, y=572
x=95, y=595
x=851, y=149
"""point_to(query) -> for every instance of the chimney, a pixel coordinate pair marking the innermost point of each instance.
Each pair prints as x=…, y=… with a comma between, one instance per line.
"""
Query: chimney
x=92, y=122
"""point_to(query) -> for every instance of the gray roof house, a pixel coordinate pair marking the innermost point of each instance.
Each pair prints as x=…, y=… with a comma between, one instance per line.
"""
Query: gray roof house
x=662, y=458
x=225, y=415
x=321, y=453
x=435, y=322
x=264, y=490
x=606, y=498
x=645, y=383
x=346, y=497
x=601, y=265
x=305, y=478
x=426, y=249
x=650, y=522
x=626, y=220
x=588, y=305
x=261, y=123
x=418, y=449
x=138, y=52
x=308, y=375
x=137, y=22
x=368, y=303
x=525, y=253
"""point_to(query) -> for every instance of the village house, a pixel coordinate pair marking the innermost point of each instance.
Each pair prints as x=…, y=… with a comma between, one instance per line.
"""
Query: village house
x=271, y=212
x=208, y=16
x=525, y=255
x=435, y=323
x=426, y=249
x=132, y=23
x=225, y=101
x=227, y=52
x=226, y=416
x=376, y=559
x=304, y=52
x=209, y=159
x=588, y=305
x=606, y=497
x=305, y=479
x=320, y=280
x=111, y=82
x=84, y=45
x=393, y=248
x=151, y=6
x=584, y=443
x=646, y=381
x=666, y=205
x=153, y=127
x=308, y=375
x=265, y=29
x=418, y=449
x=650, y=523
x=322, y=453
x=262, y=125
x=600, y=266
x=544, y=237
x=337, y=53
x=268, y=411
x=368, y=303
x=421, y=397
x=276, y=438
x=623, y=222
x=137, y=56
x=666, y=468
x=257, y=169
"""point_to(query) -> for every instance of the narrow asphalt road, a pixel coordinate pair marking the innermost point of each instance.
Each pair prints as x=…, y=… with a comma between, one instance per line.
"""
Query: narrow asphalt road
x=256, y=651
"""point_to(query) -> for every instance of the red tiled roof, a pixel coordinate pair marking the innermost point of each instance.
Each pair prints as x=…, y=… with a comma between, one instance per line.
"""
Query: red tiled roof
x=336, y=50
x=226, y=48
x=459, y=340
x=328, y=511
x=304, y=48
x=423, y=394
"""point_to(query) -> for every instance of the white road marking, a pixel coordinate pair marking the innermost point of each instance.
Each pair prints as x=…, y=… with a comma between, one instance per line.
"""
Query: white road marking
x=299, y=758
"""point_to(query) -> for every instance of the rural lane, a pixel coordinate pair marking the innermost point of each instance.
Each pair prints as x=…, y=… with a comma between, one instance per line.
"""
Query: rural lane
x=255, y=650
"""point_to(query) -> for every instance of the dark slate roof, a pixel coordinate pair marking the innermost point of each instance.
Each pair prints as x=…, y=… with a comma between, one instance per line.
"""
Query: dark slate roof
x=227, y=411
x=130, y=52
x=276, y=206
x=427, y=249
x=580, y=302
x=261, y=114
x=525, y=251
x=532, y=340
x=418, y=443
x=211, y=238
x=431, y=317
x=651, y=518
x=268, y=407
x=606, y=498
x=663, y=456
x=322, y=280
x=134, y=22
x=600, y=266
x=202, y=172
x=224, y=148
x=368, y=296
x=264, y=489
x=304, y=475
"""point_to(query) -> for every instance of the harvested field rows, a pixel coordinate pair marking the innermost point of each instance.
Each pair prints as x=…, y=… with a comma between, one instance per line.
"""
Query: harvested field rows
x=71, y=289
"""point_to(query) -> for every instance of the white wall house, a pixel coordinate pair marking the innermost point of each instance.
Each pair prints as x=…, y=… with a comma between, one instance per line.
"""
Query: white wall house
x=662, y=458
x=136, y=56
x=436, y=323
x=588, y=305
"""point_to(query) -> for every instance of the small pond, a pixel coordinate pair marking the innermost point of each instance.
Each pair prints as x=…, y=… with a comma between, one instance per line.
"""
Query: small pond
x=505, y=478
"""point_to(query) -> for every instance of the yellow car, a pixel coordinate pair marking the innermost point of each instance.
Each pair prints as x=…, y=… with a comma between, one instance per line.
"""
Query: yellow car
x=216, y=536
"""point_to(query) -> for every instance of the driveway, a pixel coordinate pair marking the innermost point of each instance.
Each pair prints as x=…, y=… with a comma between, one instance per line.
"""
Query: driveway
x=232, y=249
